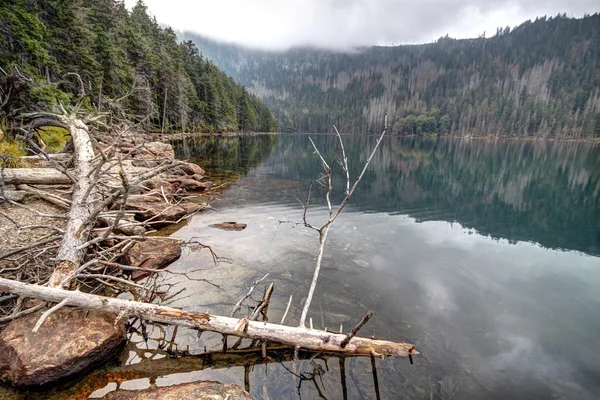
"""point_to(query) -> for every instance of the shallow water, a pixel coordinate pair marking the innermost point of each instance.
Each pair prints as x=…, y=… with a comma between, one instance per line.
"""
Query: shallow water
x=482, y=253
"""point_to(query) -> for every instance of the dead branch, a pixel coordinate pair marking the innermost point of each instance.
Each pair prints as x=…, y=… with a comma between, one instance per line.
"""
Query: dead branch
x=355, y=330
x=324, y=229
x=238, y=305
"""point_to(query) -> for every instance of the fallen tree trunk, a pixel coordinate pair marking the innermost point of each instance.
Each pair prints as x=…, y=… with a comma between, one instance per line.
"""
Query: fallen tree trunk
x=80, y=221
x=52, y=156
x=49, y=197
x=304, y=338
x=33, y=176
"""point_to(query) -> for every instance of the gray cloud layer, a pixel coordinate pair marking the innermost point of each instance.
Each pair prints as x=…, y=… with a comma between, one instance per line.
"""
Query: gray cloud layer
x=280, y=24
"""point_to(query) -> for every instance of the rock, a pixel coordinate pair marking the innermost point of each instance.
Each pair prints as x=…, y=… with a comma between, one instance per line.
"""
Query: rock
x=154, y=206
x=229, y=226
x=192, y=208
x=67, y=343
x=153, y=253
x=16, y=195
x=188, y=169
x=191, y=185
x=186, y=391
x=147, y=162
x=155, y=150
x=197, y=177
x=157, y=183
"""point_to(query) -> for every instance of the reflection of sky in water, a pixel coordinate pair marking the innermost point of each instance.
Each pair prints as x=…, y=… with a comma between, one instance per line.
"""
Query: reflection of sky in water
x=492, y=319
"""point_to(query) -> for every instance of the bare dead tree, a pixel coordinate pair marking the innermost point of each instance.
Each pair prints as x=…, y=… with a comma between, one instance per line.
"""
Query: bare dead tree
x=325, y=180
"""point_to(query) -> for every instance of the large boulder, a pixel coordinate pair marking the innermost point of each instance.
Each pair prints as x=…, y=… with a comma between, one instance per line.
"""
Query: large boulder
x=186, y=391
x=68, y=342
x=153, y=253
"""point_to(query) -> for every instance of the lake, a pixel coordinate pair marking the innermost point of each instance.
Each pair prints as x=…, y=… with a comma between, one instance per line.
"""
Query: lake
x=484, y=254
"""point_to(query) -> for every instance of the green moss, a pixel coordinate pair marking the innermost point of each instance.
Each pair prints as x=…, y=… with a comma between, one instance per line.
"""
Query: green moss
x=55, y=138
x=10, y=151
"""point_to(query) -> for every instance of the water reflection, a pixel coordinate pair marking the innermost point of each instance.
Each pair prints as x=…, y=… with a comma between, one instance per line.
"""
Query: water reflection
x=229, y=157
x=539, y=191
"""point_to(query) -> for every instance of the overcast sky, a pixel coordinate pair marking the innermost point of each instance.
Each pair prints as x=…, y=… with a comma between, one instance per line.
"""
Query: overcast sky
x=279, y=24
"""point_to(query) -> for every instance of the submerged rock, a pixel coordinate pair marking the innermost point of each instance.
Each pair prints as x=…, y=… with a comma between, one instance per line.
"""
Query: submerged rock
x=186, y=391
x=229, y=226
x=153, y=253
x=191, y=184
x=67, y=343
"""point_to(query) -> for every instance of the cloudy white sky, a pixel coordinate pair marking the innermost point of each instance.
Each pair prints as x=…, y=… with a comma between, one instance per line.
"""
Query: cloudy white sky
x=279, y=24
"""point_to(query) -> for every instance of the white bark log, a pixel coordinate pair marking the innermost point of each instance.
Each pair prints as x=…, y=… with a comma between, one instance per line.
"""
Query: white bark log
x=70, y=254
x=309, y=339
x=33, y=176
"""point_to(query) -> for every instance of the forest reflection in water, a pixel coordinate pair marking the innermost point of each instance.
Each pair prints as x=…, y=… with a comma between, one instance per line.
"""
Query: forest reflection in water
x=539, y=191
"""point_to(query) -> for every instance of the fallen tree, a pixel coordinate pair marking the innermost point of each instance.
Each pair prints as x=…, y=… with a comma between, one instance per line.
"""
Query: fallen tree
x=32, y=176
x=299, y=337
x=81, y=214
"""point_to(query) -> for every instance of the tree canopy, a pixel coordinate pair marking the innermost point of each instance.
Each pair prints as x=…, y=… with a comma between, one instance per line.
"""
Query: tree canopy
x=118, y=54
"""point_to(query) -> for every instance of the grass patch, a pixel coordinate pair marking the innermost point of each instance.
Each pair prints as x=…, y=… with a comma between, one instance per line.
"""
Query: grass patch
x=55, y=138
x=10, y=151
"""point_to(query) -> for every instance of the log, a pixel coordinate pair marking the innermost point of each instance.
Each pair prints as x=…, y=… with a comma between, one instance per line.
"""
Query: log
x=301, y=337
x=33, y=176
x=49, y=197
x=52, y=156
x=80, y=221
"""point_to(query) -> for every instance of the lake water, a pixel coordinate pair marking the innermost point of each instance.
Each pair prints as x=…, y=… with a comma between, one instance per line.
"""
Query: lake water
x=484, y=254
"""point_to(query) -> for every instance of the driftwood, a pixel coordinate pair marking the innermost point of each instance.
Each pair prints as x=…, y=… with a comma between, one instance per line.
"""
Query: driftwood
x=32, y=176
x=298, y=337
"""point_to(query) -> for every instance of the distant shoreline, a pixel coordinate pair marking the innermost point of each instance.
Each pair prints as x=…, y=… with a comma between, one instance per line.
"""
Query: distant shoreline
x=534, y=138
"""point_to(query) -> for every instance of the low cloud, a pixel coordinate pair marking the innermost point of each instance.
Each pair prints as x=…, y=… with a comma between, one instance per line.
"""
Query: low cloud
x=339, y=24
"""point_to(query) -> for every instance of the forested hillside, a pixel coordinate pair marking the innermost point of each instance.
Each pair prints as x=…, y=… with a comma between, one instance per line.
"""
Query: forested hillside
x=121, y=56
x=541, y=78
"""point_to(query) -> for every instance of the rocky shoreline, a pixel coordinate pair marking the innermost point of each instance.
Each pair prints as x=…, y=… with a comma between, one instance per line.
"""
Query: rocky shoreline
x=72, y=341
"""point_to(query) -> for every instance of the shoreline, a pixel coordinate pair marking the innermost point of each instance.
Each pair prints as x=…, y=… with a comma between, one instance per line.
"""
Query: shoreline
x=528, y=139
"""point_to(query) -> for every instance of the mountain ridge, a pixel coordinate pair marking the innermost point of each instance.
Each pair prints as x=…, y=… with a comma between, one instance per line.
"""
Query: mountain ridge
x=538, y=79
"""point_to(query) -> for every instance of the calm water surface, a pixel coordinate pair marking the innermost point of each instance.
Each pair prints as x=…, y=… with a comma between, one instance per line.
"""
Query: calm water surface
x=482, y=253
x=485, y=254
